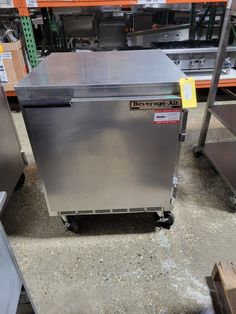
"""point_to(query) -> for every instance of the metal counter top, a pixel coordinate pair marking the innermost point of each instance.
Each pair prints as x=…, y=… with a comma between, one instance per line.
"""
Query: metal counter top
x=103, y=68
x=95, y=71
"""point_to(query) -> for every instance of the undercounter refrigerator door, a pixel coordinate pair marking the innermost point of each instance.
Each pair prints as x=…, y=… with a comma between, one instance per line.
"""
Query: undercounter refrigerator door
x=104, y=154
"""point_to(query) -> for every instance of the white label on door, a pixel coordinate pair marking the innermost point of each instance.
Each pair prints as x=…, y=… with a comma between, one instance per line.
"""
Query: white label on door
x=6, y=4
x=3, y=74
x=31, y=3
x=167, y=116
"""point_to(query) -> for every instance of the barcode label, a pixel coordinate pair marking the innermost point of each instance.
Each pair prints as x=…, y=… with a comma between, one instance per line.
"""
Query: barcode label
x=167, y=116
x=6, y=4
x=3, y=74
x=31, y=3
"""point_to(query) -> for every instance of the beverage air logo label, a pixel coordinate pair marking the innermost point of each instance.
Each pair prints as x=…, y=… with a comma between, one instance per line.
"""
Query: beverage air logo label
x=154, y=104
x=167, y=116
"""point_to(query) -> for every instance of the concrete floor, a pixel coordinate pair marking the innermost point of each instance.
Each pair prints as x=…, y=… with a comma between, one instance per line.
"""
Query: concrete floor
x=122, y=264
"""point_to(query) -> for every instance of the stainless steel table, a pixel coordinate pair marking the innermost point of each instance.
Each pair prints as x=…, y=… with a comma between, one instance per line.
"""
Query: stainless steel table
x=12, y=161
x=221, y=154
x=105, y=129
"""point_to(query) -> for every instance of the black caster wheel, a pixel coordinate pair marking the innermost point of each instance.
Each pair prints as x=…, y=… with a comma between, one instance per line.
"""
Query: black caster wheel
x=20, y=182
x=197, y=152
x=166, y=221
x=72, y=224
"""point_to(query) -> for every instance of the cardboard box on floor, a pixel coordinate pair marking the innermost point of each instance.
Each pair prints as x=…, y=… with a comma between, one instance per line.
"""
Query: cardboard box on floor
x=12, y=65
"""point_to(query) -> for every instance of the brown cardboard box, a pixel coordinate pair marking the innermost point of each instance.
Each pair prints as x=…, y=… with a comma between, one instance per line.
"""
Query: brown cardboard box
x=12, y=65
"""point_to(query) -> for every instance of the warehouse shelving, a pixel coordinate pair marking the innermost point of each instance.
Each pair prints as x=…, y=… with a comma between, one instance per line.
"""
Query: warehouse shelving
x=222, y=155
x=24, y=7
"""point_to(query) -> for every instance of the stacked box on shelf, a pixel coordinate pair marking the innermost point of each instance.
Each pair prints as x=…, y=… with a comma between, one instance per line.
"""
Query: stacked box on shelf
x=12, y=64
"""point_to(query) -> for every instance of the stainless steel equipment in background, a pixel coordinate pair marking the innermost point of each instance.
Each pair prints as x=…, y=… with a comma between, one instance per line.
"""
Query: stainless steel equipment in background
x=168, y=34
x=201, y=59
x=14, y=296
x=105, y=129
x=12, y=160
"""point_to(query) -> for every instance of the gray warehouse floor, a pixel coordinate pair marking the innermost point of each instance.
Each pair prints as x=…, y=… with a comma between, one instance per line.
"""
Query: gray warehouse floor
x=122, y=264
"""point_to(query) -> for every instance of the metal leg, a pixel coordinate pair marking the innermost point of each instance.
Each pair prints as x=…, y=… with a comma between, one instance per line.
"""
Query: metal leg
x=204, y=128
x=216, y=75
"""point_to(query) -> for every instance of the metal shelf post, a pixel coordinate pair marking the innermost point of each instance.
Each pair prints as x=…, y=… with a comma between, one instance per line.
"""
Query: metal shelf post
x=216, y=74
x=30, y=41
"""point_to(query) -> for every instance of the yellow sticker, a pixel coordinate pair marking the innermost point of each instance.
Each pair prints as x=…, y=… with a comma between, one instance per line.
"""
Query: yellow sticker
x=188, y=92
x=1, y=48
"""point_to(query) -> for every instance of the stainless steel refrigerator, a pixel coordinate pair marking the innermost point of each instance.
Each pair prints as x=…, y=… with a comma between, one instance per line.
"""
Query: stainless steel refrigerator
x=105, y=128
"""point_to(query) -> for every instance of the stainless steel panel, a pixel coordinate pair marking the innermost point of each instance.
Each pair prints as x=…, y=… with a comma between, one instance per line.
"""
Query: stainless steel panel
x=225, y=114
x=3, y=196
x=112, y=33
x=78, y=26
x=10, y=283
x=223, y=155
x=11, y=278
x=98, y=154
x=11, y=161
x=63, y=76
x=165, y=34
x=197, y=50
x=200, y=58
x=232, y=5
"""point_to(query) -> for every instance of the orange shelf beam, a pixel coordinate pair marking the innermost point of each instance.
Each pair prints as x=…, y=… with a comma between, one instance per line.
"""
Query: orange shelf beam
x=66, y=4
x=23, y=7
x=222, y=83
x=78, y=3
x=10, y=93
x=197, y=1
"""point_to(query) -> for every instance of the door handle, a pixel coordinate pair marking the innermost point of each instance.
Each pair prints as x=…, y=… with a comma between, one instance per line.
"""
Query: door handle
x=182, y=134
x=54, y=105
